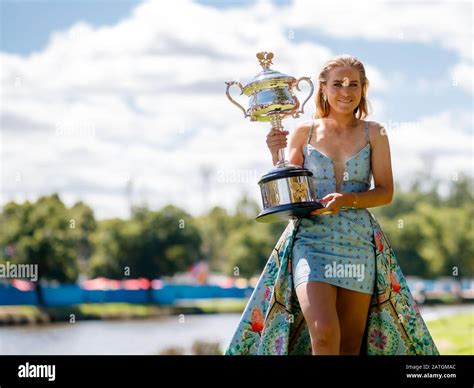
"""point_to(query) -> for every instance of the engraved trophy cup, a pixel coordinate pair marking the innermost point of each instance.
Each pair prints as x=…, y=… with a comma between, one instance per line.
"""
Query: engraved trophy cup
x=287, y=190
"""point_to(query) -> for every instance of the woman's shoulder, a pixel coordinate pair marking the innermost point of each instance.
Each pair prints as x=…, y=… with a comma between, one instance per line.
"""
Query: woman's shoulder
x=302, y=128
x=374, y=125
x=300, y=136
x=375, y=130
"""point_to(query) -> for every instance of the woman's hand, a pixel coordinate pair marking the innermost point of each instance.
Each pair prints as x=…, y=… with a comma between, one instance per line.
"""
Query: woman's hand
x=332, y=202
x=276, y=140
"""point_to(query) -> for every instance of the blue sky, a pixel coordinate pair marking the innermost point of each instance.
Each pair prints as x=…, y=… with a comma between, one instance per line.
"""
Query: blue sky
x=81, y=55
x=27, y=25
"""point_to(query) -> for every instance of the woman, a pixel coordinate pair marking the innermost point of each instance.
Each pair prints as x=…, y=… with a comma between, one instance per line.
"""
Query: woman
x=338, y=260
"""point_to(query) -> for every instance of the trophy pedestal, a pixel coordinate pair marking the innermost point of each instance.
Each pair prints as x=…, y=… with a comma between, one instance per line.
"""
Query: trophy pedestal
x=283, y=213
x=287, y=192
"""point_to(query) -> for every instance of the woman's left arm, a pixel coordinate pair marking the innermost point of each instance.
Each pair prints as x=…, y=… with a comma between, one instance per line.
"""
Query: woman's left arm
x=382, y=193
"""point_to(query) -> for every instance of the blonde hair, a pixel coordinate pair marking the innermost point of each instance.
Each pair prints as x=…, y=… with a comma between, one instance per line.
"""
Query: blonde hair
x=322, y=107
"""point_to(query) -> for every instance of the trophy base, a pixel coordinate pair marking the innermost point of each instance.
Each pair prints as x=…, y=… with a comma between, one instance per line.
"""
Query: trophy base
x=283, y=213
x=287, y=192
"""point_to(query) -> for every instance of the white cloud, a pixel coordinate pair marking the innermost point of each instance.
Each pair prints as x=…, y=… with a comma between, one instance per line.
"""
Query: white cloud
x=436, y=146
x=463, y=76
x=447, y=23
x=145, y=98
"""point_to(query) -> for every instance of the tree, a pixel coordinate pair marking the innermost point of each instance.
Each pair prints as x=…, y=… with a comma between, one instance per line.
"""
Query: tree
x=83, y=225
x=150, y=245
x=430, y=241
x=236, y=240
x=449, y=235
x=215, y=228
x=41, y=234
x=249, y=248
x=461, y=191
x=112, y=249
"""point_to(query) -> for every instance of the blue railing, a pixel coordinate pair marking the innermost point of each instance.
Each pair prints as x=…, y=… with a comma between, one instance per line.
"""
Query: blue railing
x=169, y=294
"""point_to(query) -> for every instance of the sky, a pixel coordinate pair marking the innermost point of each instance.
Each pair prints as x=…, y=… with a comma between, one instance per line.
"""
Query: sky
x=120, y=102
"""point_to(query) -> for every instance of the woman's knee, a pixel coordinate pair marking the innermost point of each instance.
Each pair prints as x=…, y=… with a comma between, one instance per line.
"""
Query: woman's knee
x=325, y=333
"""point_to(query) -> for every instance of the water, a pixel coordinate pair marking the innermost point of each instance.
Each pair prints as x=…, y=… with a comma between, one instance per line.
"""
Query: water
x=138, y=337
x=135, y=337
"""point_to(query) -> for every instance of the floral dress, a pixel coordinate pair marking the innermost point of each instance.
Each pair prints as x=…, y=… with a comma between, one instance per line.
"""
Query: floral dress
x=273, y=324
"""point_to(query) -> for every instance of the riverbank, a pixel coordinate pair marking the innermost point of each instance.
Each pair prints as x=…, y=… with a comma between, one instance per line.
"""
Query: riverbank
x=29, y=315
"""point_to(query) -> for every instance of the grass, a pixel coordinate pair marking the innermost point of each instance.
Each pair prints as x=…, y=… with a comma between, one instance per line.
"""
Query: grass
x=214, y=306
x=34, y=314
x=453, y=335
x=104, y=311
x=22, y=315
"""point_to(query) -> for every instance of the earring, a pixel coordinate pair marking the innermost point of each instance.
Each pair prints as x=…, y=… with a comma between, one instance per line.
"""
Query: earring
x=325, y=98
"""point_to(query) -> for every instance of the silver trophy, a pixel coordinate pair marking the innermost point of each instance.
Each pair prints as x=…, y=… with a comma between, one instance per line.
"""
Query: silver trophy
x=287, y=190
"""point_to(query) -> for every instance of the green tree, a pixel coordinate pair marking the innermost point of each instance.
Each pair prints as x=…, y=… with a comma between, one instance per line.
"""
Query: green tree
x=112, y=246
x=406, y=236
x=215, y=228
x=237, y=240
x=83, y=225
x=461, y=191
x=41, y=234
x=432, y=241
x=448, y=234
x=431, y=234
x=249, y=248
x=150, y=245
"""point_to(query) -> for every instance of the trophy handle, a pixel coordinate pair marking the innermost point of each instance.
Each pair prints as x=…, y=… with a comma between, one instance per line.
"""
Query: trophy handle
x=308, y=80
x=229, y=84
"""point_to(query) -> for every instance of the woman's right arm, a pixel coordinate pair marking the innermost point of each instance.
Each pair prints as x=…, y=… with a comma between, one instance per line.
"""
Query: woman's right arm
x=277, y=139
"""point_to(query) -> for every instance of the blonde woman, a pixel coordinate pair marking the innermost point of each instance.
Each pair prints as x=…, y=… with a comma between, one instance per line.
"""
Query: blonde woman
x=335, y=255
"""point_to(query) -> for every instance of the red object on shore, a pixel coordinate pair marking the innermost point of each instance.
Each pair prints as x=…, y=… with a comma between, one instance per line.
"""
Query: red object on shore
x=22, y=285
x=101, y=283
x=136, y=284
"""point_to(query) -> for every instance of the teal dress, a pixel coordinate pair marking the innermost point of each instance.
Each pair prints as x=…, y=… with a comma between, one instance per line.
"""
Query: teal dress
x=337, y=248
x=273, y=323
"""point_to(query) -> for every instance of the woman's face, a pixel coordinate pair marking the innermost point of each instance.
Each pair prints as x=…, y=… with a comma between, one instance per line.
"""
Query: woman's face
x=343, y=89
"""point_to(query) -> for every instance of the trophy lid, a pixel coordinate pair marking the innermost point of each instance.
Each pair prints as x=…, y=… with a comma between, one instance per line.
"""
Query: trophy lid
x=267, y=77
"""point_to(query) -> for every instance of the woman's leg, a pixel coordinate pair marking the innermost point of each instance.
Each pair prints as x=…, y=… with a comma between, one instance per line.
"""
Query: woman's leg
x=352, y=310
x=318, y=304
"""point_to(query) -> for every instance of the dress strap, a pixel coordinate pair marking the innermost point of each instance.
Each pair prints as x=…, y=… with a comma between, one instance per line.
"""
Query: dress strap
x=367, y=131
x=310, y=132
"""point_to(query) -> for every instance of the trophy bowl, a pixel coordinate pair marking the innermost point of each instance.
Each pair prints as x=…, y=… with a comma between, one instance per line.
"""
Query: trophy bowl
x=287, y=190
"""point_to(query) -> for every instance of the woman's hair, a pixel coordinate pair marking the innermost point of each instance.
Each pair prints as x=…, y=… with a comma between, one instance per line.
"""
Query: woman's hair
x=322, y=107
